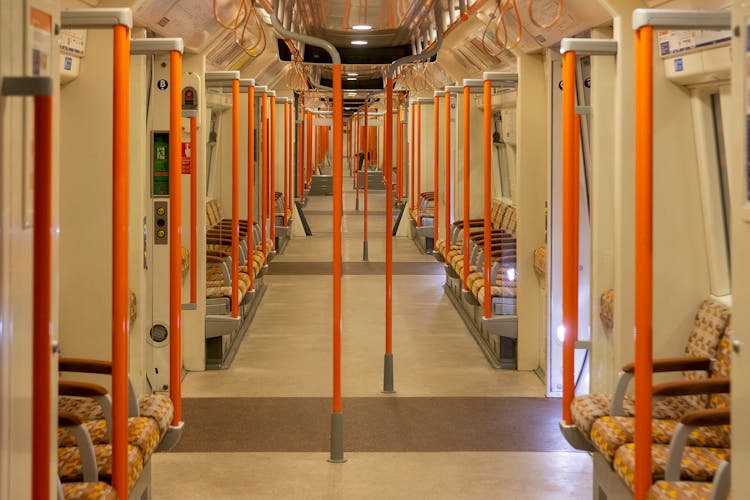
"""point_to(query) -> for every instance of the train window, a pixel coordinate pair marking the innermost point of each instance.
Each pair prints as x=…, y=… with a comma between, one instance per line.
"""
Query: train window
x=504, y=157
x=721, y=161
x=210, y=152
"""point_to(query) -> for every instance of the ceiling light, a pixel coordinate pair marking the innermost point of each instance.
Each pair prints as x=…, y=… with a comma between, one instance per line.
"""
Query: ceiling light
x=359, y=42
x=351, y=79
x=353, y=74
x=362, y=27
x=351, y=93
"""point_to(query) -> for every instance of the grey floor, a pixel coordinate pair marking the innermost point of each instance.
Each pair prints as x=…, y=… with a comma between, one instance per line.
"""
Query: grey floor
x=287, y=354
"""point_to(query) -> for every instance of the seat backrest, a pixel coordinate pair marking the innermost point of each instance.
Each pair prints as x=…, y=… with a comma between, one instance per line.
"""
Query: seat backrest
x=213, y=213
x=722, y=366
x=708, y=327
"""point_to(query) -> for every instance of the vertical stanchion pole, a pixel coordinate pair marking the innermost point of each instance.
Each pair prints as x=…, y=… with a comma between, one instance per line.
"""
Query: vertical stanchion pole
x=193, y=212
x=356, y=176
x=42, y=285
x=250, y=183
x=367, y=175
x=388, y=168
x=419, y=163
x=436, y=180
x=300, y=154
x=337, y=417
x=412, y=147
x=120, y=197
x=643, y=256
x=447, y=173
x=264, y=173
x=235, y=198
x=175, y=234
x=308, y=173
x=399, y=156
x=570, y=231
x=272, y=175
x=467, y=183
x=487, y=138
x=286, y=160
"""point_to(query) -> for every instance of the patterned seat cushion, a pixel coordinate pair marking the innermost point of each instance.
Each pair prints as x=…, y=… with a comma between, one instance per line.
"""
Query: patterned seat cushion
x=157, y=407
x=69, y=467
x=540, y=262
x=607, y=308
x=88, y=491
x=684, y=490
x=609, y=433
x=143, y=432
x=698, y=463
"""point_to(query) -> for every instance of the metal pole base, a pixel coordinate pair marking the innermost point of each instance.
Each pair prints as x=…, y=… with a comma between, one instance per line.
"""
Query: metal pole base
x=337, y=438
x=365, y=253
x=388, y=374
x=356, y=204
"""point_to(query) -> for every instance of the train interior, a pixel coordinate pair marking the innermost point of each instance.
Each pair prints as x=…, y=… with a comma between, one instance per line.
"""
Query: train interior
x=245, y=246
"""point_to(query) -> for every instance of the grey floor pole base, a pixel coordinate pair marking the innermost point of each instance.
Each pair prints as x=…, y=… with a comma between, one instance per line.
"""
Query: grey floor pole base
x=337, y=438
x=365, y=253
x=388, y=374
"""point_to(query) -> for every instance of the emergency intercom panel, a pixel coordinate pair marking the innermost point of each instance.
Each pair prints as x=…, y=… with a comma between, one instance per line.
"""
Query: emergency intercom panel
x=161, y=223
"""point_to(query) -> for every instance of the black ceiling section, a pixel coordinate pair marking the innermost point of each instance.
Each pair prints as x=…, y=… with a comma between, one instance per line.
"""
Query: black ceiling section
x=358, y=84
x=349, y=55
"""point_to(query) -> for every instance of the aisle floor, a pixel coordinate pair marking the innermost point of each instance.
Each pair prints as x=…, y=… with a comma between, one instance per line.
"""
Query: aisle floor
x=287, y=354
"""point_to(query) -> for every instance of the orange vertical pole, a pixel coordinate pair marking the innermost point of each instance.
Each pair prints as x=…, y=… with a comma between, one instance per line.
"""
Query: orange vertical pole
x=399, y=156
x=250, y=182
x=235, y=197
x=120, y=198
x=308, y=174
x=467, y=183
x=570, y=231
x=356, y=176
x=643, y=256
x=447, y=172
x=412, y=147
x=286, y=161
x=338, y=122
x=272, y=175
x=193, y=212
x=42, y=285
x=300, y=155
x=419, y=161
x=289, y=193
x=388, y=168
x=264, y=172
x=366, y=174
x=487, y=138
x=436, y=180
x=175, y=234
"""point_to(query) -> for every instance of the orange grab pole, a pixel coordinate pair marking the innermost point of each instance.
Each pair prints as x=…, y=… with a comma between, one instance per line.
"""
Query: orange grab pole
x=250, y=182
x=308, y=173
x=290, y=149
x=193, y=212
x=447, y=172
x=487, y=196
x=570, y=222
x=235, y=197
x=356, y=177
x=643, y=256
x=388, y=167
x=286, y=161
x=467, y=185
x=120, y=198
x=399, y=156
x=419, y=161
x=411, y=148
x=436, y=180
x=175, y=236
x=272, y=176
x=264, y=171
x=338, y=119
x=42, y=279
x=366, y=174
x=300, y=157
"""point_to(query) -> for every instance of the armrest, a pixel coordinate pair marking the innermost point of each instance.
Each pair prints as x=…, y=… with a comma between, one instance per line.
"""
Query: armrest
x=80, y=389
x=83, y=365
x=215, y=259
x=68, y=420
x=710, y=416
x=677, y=364
x=83, y=442
x=692, y=387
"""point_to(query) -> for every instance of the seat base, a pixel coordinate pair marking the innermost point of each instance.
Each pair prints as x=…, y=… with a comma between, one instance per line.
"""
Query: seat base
x=607, y=484
x=171, y=437
x=574, y=437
